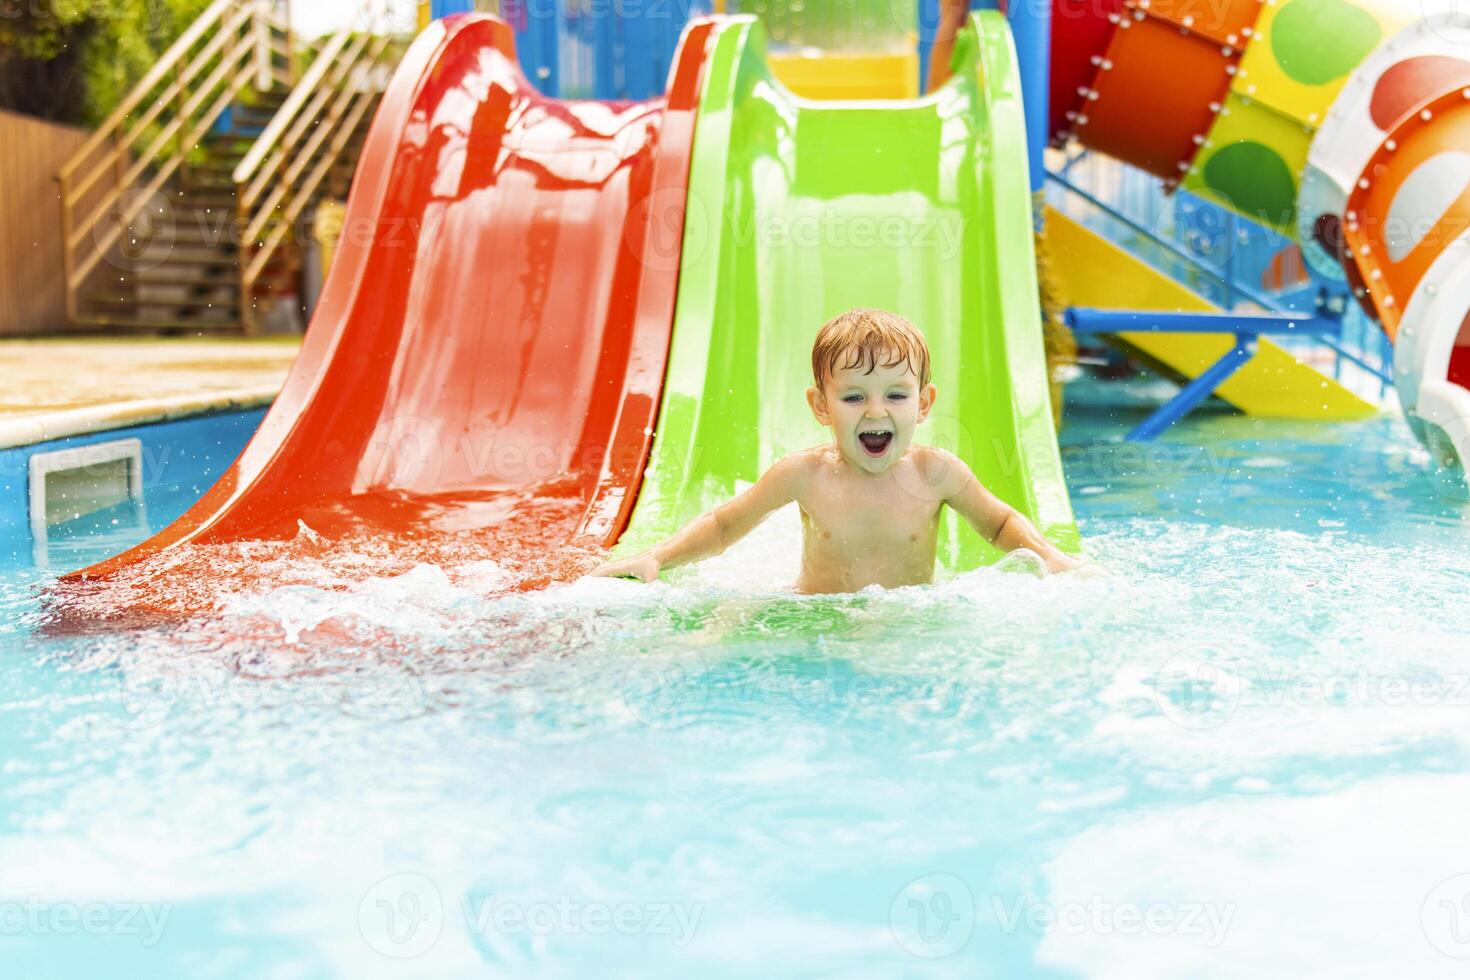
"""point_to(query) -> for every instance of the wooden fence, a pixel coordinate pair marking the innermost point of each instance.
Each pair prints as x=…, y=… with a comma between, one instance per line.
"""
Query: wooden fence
x=32, y=282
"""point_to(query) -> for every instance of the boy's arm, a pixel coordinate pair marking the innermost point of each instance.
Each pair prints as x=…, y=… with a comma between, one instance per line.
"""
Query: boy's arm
x=715, y=531
x=952, y=15
x=995, y=520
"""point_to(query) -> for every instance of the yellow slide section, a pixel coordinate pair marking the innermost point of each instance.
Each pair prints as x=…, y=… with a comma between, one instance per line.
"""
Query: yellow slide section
x=849, y=76
x=1092, y=271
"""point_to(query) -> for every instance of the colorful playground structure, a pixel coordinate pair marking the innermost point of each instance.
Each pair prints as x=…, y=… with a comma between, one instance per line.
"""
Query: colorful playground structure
x=1339, y=124
x=589, y=339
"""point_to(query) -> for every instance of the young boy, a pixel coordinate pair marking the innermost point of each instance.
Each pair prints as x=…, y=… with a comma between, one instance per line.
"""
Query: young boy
x=870, y=502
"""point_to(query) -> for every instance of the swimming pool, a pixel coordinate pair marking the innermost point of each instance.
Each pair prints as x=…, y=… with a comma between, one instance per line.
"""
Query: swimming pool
x=173, y=463
x=1246, y=753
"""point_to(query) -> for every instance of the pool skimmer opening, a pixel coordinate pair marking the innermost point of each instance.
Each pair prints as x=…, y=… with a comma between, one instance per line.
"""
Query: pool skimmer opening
x=68, y=484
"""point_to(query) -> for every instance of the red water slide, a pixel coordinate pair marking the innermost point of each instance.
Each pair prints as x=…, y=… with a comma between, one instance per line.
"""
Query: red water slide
x=489, y=350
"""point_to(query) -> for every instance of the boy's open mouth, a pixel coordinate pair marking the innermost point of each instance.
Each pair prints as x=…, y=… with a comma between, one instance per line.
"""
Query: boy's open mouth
x=875, y=443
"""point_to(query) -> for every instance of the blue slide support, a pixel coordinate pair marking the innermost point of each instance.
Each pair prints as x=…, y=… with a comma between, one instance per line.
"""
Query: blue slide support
x=1247, y=328
x=1031, y=27
x=444, y=8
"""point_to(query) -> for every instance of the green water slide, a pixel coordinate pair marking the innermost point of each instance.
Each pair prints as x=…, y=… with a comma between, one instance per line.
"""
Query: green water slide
x=799, y=210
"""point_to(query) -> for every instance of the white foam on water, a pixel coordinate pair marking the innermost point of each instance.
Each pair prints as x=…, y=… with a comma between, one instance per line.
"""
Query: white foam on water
x=1339, y=883
x=1245, y=711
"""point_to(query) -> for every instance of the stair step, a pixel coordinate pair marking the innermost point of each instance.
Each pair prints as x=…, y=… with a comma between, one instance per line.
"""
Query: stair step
x=165, y=276
x=212, y=184
x=230, y=147
x=223, y=193
x=137, y=302
x=195, y=256
x=197, y=200
x=214, y=225
x=200, y=272
x=217, y=218
x=180, y=256
x=159, y=323
x=220, y=242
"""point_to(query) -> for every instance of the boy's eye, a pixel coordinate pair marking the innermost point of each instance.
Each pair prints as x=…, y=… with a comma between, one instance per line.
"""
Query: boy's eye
x=852, y=399
x=899, y=396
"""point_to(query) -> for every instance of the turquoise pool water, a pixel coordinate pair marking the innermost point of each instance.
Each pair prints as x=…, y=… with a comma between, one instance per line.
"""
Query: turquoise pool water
x=1245, y=753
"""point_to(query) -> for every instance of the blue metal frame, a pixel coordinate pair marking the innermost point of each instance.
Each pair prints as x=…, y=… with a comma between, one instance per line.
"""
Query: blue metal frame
x=1331, y=308
x=621, y=49
x=1090, y=320
x=1234, y=290
x=1031, y=28
x=446, y=8
x=1196, y=391
x=618, y=49
x=929, y=11
x=1247, y=328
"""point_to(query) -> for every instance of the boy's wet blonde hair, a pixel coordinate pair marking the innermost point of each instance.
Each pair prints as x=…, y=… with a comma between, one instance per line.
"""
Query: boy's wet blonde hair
x=860, y=337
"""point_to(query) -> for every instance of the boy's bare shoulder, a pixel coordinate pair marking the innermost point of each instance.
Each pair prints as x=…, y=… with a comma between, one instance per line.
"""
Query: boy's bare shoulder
x=793, y=473
x=932, y=457
x=942, y=468
x=802, y=464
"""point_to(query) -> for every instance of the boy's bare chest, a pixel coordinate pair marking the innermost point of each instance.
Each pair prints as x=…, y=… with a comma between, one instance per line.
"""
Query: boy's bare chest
x=841, y=512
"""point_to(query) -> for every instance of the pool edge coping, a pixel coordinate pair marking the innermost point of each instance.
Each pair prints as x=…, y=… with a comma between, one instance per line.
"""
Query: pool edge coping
x=30, y=430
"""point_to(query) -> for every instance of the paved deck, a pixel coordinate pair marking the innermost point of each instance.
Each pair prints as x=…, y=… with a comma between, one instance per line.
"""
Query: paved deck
x=55, y=388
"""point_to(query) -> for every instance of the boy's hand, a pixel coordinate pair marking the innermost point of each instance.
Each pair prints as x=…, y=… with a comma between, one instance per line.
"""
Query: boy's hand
x=1059, y=562
x=1081, y=567
x=644, y=568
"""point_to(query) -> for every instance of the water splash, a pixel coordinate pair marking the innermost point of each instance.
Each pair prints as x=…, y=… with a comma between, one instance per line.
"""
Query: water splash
x=796, y=766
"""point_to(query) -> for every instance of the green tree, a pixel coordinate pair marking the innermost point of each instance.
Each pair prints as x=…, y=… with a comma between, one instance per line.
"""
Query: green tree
x=71, y=61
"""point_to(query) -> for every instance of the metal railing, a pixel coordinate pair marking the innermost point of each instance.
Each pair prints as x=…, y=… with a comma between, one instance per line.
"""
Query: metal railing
x=1222, y=278
x=285, y=168
x=120, y=171
x=1373, y=355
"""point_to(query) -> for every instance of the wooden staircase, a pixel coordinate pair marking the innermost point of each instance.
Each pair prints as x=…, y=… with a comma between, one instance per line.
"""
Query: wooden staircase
x=181, y=271
x=184, y=219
